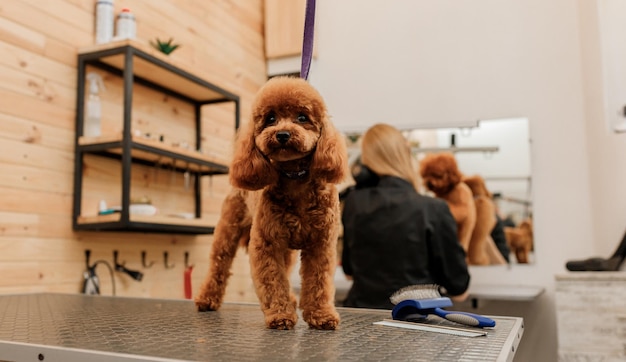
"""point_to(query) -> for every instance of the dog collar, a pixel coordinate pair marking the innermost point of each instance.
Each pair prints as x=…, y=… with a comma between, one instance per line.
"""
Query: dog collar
x=295, y=175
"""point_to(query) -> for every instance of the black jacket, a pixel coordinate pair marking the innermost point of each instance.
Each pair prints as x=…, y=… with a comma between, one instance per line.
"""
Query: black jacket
x=394, y=237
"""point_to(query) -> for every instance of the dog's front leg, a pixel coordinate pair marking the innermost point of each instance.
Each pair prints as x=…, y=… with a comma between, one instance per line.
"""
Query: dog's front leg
x=269, y=264
x=317, y=295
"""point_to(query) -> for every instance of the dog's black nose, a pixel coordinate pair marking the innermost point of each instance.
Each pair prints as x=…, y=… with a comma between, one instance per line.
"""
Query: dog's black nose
x=283, y=136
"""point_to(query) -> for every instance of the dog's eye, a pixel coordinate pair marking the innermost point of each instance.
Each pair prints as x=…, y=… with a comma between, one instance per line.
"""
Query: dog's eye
x=270, y=118
x=302, y=118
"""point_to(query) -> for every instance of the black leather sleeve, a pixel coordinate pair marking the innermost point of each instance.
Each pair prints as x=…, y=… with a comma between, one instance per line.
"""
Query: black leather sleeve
x=448, y=263
x=347, y=235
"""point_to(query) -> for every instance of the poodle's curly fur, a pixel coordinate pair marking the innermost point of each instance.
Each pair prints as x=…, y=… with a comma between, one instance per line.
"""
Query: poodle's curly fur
x=485, y=221
x=441, y=175
x=520, y=240
x=286, y=164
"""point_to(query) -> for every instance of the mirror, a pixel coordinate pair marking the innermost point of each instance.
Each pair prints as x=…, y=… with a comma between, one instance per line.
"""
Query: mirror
x=499, y=152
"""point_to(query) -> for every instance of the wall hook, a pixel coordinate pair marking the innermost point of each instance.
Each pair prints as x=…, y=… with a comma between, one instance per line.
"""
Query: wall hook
x=187, y=265
x=115, y=262
x=143, y=260
x=165, y=256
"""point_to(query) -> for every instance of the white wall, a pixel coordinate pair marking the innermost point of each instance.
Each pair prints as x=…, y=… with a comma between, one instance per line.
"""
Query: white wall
x=467, y=60
x=607, y=149
x=432, y=63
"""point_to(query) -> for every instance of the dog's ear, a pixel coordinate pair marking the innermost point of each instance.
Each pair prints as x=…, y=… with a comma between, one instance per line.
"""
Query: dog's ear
x=330, y=160
x=249, y=169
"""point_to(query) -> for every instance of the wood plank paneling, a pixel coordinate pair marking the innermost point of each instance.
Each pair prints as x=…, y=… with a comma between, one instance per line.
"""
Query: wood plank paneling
x=37, y=17
x=284, y=26
x=221, y=41
x=30, y=131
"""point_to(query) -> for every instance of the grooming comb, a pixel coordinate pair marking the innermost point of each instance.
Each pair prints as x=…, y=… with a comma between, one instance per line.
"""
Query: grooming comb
x=416, y=302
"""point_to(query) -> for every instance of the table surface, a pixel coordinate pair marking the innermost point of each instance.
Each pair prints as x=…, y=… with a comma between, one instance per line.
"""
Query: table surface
x=75, y=327
x=505, y=292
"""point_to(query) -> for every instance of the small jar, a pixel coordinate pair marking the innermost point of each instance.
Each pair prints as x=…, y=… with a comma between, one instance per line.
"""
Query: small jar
x=126, y=28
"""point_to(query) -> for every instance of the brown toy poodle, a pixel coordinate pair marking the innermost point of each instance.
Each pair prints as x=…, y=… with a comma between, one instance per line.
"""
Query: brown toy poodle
x=520, y=240
x=482, y=249
x=441, y=175
x=286, y=164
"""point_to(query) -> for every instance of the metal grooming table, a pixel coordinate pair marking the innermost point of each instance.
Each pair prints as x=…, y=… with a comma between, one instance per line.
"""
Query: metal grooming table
x=74, y=327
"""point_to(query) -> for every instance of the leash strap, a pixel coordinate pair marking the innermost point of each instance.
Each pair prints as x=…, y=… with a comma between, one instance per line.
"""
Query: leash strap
x=307, y=43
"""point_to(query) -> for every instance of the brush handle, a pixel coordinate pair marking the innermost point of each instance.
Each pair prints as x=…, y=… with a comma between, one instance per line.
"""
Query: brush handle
x=469, y=319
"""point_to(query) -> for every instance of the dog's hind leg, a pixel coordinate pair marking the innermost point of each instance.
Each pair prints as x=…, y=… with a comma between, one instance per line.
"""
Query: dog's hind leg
x=290, y=260
x=232, y=228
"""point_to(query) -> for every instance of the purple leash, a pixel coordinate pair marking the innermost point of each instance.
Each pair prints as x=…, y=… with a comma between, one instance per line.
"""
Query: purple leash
x=307, y=43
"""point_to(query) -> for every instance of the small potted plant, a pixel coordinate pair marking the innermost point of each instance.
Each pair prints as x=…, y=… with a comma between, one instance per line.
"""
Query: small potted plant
x=165, y=47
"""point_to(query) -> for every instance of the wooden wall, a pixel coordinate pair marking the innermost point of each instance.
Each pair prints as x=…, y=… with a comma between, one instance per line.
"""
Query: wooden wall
x=221, y=41
x=284, y=27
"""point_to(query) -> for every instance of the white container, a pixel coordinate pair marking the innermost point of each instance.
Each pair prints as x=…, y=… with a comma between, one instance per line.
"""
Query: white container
x=105, y=19
x=93, y=108
x=92, y=120
x=126, y=28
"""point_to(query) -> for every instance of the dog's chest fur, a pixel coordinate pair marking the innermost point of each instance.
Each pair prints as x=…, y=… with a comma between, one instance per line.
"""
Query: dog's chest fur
x=305, y=215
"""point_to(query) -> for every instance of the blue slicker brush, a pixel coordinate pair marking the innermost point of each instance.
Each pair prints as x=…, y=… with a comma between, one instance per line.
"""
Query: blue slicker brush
x=416, y=302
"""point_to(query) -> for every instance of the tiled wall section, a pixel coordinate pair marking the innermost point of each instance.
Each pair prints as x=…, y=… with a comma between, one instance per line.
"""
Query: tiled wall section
x=591, y=316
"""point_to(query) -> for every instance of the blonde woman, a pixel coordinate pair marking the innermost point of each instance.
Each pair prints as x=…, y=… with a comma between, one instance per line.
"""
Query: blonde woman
x=393, y=236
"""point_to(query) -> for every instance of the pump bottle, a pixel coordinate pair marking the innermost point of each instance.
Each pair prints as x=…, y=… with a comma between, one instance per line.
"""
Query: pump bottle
x=93, y=109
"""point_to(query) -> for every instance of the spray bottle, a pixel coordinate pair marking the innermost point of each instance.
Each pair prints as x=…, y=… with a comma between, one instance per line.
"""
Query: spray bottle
x=93, y=109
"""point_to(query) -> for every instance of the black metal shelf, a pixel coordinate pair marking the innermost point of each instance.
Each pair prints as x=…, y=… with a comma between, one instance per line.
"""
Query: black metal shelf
x=135, y=63
x=145, y=226
x=154, y=153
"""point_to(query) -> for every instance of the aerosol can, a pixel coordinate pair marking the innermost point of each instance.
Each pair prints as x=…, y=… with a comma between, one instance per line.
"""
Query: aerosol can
x=93, y=108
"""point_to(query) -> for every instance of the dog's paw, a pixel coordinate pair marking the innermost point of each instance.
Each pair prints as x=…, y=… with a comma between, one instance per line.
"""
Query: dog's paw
x=206, y=305
x=322, y=320
x=282, y=321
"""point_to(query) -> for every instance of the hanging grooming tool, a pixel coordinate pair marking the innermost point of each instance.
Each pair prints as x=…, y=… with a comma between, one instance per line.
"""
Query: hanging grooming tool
x=417, y=301
x=187, y=276
x=119, y=267
x=91, y=283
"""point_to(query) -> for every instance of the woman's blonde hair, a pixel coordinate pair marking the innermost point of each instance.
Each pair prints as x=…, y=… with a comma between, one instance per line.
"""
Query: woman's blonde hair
x=386, y=151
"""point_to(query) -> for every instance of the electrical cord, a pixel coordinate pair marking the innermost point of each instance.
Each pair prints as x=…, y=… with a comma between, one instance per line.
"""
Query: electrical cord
x=92, y=271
